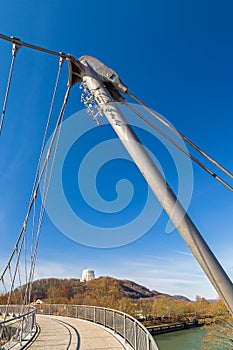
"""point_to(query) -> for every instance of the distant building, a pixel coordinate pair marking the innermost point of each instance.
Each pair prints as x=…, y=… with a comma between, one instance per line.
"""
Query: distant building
x=88, y=275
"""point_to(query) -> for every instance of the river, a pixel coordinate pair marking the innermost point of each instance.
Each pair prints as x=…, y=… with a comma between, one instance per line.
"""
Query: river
x=188, y=339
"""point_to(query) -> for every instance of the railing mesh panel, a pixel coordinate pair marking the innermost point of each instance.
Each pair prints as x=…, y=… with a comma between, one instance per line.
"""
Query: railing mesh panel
x=130, y=335
x=119, y=324
x=100, y=316
x=109, y=319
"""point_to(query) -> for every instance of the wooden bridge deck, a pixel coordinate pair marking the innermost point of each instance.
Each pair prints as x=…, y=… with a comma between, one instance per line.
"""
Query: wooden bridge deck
x=65, y=333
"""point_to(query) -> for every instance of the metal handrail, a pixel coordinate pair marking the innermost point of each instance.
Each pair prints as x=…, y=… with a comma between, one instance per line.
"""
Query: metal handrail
x=17, y=326
x=15, y=318
x=124, y=325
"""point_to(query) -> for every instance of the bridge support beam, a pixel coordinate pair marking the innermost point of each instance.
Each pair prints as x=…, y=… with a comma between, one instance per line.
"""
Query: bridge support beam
x=207, y=260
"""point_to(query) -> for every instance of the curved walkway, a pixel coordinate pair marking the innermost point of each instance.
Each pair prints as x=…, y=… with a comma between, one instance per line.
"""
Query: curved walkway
x=66, y=333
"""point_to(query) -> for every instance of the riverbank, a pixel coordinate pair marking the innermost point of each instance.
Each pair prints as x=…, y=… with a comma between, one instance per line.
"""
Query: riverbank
x=172, y=327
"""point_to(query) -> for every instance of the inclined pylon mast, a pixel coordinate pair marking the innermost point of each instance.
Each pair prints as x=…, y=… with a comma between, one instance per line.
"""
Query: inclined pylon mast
x=104, y=84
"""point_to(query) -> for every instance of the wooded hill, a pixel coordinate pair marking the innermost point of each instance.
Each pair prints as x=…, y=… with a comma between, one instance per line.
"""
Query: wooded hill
x=126, y=296
x=54, y=290
x=123, y=295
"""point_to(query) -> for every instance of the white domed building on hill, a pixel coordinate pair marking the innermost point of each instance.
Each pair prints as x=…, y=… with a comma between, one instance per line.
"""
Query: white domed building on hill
x=88, y=275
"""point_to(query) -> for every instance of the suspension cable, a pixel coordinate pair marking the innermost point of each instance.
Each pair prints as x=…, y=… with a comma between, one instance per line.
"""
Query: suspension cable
x=34, y=238
x=22, y=237
x=179, y=147
x=61, y=61
x=15, y=48
x=168, y=125
x=37, y=185
x=15, y=273
x=42, y=211
x=38, y=178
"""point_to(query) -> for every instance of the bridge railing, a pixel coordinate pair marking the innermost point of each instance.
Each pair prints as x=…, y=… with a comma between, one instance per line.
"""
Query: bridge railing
x=17, y=323
x=132, y=331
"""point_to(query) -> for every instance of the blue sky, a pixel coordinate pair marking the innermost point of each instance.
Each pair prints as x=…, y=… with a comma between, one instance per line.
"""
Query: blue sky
x=177, y=57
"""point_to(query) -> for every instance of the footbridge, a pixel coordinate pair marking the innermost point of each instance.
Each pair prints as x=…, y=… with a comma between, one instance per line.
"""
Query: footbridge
x=73, y=327
x=103, y=94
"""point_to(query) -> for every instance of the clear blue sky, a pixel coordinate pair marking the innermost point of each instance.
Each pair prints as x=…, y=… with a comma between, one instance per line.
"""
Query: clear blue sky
x=177, y=57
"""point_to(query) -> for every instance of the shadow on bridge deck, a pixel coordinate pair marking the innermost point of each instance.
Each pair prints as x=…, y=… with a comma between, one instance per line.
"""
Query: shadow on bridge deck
x=65, y=333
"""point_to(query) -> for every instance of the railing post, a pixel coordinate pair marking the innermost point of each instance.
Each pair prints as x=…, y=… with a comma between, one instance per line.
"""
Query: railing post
x=76, y=311
x=124, y=330
x=21, y=333
x=114, y=321
x=147, y=342
x=135, y=336
x=104, y=317
x=34, y=320
x=94, y=314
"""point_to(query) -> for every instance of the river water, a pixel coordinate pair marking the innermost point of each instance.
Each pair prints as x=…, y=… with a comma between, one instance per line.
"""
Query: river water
x=188, y=339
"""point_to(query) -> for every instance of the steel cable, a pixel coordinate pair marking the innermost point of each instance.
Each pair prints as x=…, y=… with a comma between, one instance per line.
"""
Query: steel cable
x=168, y=125
x=42, y=211
x=21, y=239
x=140, y=115
x=37, y=185
x=37, y=181
x=15, y=48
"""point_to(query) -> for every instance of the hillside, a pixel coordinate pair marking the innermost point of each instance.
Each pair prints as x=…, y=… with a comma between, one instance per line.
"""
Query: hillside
x=95, y=290
x=124, y=295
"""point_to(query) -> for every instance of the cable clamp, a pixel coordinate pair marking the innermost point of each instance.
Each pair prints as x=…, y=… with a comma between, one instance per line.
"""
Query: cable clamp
x=25, y=225
x=16, y=45
x=34, y=195
x=61, y=60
